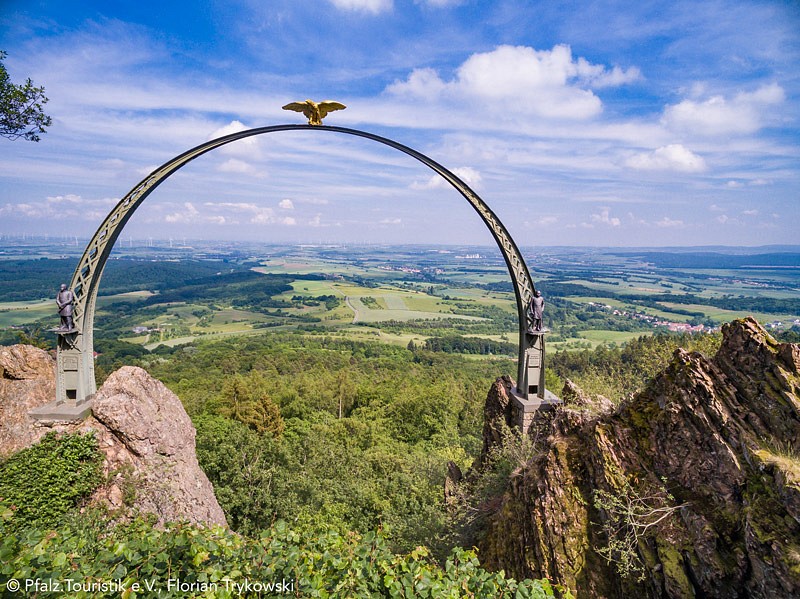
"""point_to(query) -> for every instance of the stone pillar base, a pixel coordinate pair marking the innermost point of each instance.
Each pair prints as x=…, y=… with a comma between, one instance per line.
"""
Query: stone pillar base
x=57, y=411
x=524, y=409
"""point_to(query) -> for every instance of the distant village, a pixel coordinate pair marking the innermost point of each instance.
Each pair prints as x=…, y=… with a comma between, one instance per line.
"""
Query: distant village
x=682, y=327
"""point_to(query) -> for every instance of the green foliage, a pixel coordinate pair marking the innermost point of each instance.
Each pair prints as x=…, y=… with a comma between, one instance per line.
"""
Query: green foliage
x=618, y=373
x=128, y=274
x=36, y=279
x=483, y=485
x=23, y=280
x=371, y=303
x=21, y=108
x=44, y=481
x=219, y=563
x=456, y=344
x=790, y=336
x=369, y=429
x=243, y=289
x=246, y=399
x=249, y=473
x=35, y=336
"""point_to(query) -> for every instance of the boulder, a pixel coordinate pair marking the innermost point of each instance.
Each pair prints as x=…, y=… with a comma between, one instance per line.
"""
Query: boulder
x=147, y=439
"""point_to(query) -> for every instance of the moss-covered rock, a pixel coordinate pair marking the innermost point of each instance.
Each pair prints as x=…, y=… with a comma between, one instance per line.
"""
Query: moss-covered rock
x=690, y=489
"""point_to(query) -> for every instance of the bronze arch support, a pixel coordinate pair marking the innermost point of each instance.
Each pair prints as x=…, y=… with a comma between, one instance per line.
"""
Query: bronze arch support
x=75, y=380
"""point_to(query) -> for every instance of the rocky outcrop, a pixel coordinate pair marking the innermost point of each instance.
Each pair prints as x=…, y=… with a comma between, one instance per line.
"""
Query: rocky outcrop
x=691, y=489
x=27, y=381
x=497, y=415
x=142, y=429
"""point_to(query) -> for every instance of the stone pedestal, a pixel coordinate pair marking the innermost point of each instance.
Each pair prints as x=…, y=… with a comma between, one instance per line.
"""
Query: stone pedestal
x=523, y=409
x=62, y=412
x=74, y=392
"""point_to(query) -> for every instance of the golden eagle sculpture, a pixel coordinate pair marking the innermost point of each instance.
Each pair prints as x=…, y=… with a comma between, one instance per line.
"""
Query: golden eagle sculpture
x=315, y=111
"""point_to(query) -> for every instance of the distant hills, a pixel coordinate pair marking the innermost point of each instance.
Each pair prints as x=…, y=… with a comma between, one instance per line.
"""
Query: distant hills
x=716, y=259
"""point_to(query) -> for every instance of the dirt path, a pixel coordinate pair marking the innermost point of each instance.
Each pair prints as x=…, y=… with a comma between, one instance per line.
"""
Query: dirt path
x=352, y=307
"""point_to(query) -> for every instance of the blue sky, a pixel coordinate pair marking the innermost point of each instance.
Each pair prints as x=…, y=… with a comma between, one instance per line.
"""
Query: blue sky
x=579, y=123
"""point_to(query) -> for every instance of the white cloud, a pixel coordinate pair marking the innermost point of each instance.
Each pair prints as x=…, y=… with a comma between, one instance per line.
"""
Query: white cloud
x=112, y=163
x=286, y=204
x=243, y=148
x=520, y=79
x=265, y=216
x=189, y=214
x=440, y=3
x=21, y=209
x=673, y=157
x=424, y=83
x=259, y=215
x=234, y=165
x=750, y=212
x=229, y=129
x=228, y=213
x=542, y=221
x=744, y=113
x=234, y=206
x=467, y=174
x=391, y=221
x=605, y=218
x=616, y=76
x=67, y=199
x=370, y=6
x=146, y=170
x=669, y=222
x=62, y=207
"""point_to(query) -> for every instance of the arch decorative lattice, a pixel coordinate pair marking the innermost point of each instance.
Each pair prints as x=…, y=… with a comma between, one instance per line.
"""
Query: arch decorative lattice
x=75, y=381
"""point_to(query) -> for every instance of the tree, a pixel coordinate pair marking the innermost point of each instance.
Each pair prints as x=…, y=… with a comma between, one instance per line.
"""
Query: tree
x=21, y=112
x=245, y=398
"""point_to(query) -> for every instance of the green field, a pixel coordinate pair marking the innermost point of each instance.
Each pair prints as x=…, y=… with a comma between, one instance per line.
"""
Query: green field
x=19, y=313
x=722, y=315
x=398, y=310
x=406, y=294
x=625, y=306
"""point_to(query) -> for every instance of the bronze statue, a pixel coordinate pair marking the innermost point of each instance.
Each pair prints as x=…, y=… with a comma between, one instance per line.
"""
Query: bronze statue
x=314, y=111
x=65, y=299
x=535, y=310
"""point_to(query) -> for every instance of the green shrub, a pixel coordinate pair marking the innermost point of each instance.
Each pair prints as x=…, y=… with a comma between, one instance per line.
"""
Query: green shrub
x=186, y=561
x=42, y=482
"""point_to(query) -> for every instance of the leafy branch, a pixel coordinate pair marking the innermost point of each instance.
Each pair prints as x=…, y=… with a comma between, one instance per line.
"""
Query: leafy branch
x=21, y=108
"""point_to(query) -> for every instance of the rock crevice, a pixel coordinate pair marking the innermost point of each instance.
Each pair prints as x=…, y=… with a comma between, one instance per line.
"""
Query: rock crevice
x=711, y=445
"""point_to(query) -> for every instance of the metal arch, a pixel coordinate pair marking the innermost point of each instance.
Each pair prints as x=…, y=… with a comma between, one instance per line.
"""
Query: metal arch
x=86, y=279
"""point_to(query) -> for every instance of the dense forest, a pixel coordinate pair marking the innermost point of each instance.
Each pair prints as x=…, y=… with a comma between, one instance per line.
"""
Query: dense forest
x=358, y=434
x=328, y=453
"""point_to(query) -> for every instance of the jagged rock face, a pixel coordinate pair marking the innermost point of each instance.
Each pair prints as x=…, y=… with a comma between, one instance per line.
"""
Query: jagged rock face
x=711, y=445
x=496, y=415
x=142, y=429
